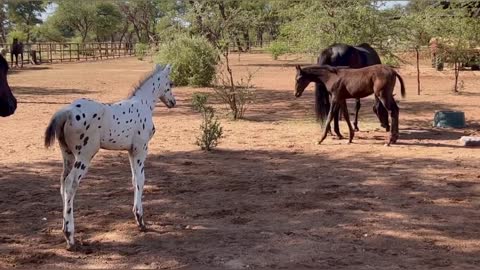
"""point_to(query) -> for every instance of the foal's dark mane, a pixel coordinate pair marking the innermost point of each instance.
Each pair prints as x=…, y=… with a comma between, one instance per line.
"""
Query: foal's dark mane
x=142, y=80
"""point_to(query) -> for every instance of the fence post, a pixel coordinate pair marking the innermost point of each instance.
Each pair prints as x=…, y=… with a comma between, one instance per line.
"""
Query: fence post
x=50, y=52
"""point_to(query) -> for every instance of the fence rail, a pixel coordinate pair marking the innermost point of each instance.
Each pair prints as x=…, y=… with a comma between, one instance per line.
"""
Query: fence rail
x=37, y=53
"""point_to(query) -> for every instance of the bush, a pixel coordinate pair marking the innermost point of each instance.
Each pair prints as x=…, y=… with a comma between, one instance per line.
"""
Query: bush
x=236, y=96
x=278, y=48
x=199, y=101
x=390, y=59
x=193, y=58
x=210, y=129
x=21, y=36
x=141, y=50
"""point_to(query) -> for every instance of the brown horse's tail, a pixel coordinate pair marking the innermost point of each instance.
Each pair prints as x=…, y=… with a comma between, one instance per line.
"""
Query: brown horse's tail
x=55, y=127
x=402, y=85
x=322, y=103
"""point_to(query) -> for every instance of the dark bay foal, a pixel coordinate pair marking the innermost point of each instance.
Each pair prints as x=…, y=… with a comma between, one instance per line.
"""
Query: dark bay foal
x=345, y=83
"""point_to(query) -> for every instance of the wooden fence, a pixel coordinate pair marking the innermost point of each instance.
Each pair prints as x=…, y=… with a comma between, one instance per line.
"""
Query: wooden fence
x=70, y=52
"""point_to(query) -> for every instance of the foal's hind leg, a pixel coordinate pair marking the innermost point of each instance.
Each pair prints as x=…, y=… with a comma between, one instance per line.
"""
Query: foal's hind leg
x=336, y=126
x=357, y=109
x=392, y=107
x=137, y=158
x=79, y=170
x=68, y=159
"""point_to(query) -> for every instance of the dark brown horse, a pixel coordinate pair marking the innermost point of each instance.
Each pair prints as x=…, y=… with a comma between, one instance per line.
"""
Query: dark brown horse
x=340, y=54
x=16, y=50
x=345, y=83
x=8, y=103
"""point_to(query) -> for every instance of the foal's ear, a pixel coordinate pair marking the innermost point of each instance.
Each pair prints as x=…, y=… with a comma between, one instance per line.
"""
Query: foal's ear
x=299, y=69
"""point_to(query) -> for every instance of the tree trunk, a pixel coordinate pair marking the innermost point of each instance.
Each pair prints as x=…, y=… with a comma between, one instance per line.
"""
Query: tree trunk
x=418, y=70
x=246, y=37
x=457, y=73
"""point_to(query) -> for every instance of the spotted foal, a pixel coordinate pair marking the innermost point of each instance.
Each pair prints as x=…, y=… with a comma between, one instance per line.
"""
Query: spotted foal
x=85, y=126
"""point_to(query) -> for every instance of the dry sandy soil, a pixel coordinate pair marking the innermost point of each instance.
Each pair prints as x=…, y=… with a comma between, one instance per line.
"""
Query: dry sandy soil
x=268, y=198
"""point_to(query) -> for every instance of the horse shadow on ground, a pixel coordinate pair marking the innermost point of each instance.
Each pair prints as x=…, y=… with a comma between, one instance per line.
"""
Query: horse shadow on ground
x=43, y=91
x=264, y=209
x=25, y=68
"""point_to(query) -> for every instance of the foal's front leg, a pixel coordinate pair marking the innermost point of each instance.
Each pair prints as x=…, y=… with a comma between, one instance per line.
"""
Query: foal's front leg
x=333, y=110
x=137, y=158
x=357, y=109
x=347, y=119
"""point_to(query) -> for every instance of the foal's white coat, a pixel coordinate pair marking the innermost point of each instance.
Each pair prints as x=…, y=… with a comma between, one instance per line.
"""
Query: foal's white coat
x=85, y=126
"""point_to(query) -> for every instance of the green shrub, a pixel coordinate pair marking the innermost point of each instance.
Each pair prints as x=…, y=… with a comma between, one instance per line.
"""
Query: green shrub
x=22, y=36
x=199, y=101
x=391, y=60
x=193, y=58
x=210, y=129
x=141, y=50
x=278, y=48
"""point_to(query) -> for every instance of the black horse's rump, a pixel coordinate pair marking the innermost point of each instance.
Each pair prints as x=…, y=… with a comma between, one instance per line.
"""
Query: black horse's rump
x=340, y=54
x=8, y=103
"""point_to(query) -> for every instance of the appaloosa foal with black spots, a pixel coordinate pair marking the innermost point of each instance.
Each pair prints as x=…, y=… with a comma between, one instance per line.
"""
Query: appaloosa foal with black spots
x=85, y=126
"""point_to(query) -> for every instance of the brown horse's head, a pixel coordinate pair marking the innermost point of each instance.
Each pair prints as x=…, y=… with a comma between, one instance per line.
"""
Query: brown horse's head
x=8, y=103
x=301, y=82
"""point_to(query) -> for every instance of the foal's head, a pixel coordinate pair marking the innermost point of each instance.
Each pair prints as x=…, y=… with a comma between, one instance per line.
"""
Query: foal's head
x=8, y=103
x=301, y=81
x=165, y=93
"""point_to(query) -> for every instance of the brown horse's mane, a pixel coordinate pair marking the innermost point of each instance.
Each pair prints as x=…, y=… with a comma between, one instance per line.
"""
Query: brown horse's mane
x=140, y=82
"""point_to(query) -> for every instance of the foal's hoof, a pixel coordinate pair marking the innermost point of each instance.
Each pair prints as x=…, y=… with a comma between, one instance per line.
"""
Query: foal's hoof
x=142, y=228
x=72, y=247
x=357, y=129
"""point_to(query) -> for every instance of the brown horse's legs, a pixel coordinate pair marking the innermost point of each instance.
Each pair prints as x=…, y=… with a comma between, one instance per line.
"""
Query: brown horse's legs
x=347, y=119
x=333, y=110
x=21, y=59
x=336, y=126
x=391, y=106
x=382, y=114
x=357, y=109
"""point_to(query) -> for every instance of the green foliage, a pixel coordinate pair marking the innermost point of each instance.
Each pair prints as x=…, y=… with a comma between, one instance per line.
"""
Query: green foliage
x=193, y=58
x=313, y=25
x=390, y=59
x=278, y=48
x=77, y=15
x=25, y=15
x=20, y=35
x=199, y=101
x=210, y=129
x=108, y=20
x=141, y=50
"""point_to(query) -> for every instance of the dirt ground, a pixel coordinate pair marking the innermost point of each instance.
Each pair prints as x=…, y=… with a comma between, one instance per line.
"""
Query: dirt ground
x=268, y=198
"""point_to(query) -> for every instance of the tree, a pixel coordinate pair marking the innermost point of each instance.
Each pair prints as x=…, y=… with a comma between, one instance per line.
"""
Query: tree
x=417, y=33
x=77, y=15
x=458, y=31
x=108, y=21
x=313, y=25
x=144, y=15
x=24, y=15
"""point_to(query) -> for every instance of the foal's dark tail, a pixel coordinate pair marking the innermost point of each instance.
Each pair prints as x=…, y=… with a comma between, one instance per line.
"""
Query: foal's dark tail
x=402, y=85
x=55, y=127
x=322, y=103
